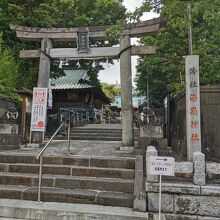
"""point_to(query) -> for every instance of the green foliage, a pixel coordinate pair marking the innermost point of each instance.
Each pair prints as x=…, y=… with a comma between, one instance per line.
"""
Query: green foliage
x=110, y=90
x=165, y=69
x=8, y=70
x=54, y=13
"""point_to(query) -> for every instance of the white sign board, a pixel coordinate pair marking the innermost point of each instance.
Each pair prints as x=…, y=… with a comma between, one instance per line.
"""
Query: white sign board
x=161, y=165
x=39, y=109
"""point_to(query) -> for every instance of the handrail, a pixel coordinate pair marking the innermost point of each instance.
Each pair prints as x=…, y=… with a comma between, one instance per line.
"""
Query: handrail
x=42, y=151
x=40, y=155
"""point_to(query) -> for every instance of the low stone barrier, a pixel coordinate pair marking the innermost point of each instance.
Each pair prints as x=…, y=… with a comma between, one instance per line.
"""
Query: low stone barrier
x=139, y=203
x=185, y=199
x=192, y=200
x=212, y=171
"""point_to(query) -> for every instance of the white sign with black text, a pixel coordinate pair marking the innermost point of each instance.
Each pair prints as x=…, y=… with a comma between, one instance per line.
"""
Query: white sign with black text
x=39, y=109
x=161, y=165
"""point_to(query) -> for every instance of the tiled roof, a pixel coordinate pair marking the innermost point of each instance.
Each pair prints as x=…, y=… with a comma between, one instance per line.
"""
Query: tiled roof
x=71, y=80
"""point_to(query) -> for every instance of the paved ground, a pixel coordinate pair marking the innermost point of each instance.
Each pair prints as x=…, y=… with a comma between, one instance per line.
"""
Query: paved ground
x=81, y=147
x=78, y=147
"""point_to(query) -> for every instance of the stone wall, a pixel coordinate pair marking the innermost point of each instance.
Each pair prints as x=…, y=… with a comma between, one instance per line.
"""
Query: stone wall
x=192, y=194
x=181, y=199
x=9, y=120
x=210, y=116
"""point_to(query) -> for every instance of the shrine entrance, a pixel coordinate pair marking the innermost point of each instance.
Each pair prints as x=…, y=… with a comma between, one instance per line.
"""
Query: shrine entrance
x=82, y=35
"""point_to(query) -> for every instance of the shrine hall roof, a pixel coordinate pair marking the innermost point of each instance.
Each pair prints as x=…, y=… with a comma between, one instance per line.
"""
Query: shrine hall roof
x=73, y=79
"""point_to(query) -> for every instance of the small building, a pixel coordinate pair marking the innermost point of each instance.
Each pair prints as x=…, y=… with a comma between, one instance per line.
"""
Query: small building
x=75, y=93
x=76, y=90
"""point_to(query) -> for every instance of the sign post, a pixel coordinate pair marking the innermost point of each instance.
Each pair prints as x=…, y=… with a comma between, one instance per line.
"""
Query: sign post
x=161, y=166
x=39, y=109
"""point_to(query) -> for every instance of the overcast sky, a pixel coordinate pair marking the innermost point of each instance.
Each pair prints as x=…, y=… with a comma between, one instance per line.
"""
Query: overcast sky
x=111, y=74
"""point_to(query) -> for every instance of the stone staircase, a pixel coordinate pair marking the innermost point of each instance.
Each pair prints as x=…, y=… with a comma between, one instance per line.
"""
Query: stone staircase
x=101, y=134
x=69, y=179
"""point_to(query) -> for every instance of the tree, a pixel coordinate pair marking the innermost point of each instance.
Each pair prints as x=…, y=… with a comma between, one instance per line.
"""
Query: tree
x=165, y=69
x=8, y=69
x=110, y=90
x=55, y=13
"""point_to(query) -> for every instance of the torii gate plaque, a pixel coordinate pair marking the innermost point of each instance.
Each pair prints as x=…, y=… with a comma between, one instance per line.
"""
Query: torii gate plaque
x=125, y=51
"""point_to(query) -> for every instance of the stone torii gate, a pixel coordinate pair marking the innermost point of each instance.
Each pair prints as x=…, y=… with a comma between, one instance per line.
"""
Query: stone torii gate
x=47, y=35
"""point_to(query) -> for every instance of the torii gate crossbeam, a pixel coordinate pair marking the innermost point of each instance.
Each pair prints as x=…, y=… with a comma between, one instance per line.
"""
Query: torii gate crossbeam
x=47, y=35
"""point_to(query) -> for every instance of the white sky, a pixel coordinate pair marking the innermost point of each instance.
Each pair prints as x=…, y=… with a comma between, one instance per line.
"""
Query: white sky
x=111, y=74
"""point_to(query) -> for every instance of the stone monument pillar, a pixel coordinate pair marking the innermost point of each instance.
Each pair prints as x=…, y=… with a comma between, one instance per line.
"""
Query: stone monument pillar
x=126, y=92
x=193, y=127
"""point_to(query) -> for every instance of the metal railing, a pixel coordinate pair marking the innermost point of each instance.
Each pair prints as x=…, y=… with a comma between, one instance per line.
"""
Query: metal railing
x=40, y=155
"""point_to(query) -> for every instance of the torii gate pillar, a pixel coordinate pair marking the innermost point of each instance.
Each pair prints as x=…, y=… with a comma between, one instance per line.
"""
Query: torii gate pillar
x=44, y=66
x=126, y=92
x=43, y=78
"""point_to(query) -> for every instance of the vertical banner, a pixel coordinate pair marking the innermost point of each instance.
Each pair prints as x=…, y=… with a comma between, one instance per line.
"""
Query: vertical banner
x=39, y=109
x=193, y=125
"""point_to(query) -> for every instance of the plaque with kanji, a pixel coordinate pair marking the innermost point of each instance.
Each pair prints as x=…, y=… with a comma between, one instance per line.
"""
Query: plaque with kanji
x=192, y=105
x=83, y=42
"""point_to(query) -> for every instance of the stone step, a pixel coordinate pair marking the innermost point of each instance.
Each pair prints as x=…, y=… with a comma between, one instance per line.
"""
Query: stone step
x=107, y=162
x=67, y=195
x=9, y=147
x=69, y=182
x=97, y=138
x=97, y=134
x=92, y=137
x=68, y=170
x=83, y=130
x=29, y=210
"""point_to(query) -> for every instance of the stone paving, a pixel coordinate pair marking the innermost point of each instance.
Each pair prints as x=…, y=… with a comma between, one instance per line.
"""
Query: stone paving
x=77, y=147
x=80, y=147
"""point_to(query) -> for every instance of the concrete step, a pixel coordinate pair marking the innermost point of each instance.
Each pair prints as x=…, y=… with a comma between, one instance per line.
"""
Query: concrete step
x=69, y=179
x=87, y=130
x=107, y=162
x=84, y=137
x=67, y=195
x=69, y=170
x=97, y=138
x=9, y=147
x=92, y=137
x=29, y=210
x=69, y=182
x=96, y=134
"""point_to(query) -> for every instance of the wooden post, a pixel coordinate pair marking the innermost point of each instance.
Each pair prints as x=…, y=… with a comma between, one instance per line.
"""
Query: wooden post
x=23, y=117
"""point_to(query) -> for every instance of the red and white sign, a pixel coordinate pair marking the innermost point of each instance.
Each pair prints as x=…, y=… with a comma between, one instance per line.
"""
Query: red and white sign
x=161, y=165
x=39, y=109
